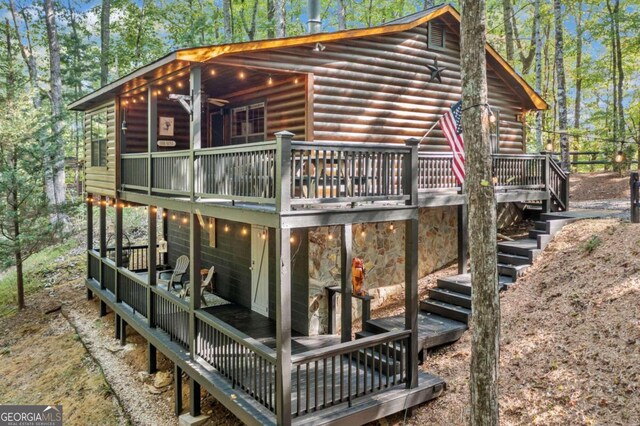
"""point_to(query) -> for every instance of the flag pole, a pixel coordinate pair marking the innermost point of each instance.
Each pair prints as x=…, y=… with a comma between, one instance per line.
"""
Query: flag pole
x=427, y=134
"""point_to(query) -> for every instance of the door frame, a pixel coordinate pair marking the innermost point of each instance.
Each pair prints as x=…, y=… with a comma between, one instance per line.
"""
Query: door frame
x=260, y=269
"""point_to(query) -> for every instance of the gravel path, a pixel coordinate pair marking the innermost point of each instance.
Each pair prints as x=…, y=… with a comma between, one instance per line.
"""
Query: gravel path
x=142, y=407
x=616, y=208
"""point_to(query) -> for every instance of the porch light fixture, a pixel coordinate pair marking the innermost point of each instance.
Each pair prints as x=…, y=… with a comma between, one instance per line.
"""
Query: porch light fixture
x=620, y=157
x=549, y=146
x=123, y=126
x=492, y=116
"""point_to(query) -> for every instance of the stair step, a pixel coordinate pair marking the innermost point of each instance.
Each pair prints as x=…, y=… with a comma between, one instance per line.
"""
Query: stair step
x=379, y=361
x=550, y=226
x=452, y=297
x=519, y=247
x=513, y=259
x=513, y=271
x=446, y=310
x=458, y=283
x=534, y=233
x=362, y=334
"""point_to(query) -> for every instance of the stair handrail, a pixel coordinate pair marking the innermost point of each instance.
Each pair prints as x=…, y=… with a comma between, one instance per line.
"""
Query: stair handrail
x=558, y=184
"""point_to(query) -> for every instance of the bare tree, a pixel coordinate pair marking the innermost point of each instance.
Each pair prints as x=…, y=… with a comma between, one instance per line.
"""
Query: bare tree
x=342, y=15
x=281, y=25
x=537, y=34
x=105, y=18
x=561, y=88
x=26, y=50
x=507, y=14
x=485, y=303
x=55, y=176
x=579, y=36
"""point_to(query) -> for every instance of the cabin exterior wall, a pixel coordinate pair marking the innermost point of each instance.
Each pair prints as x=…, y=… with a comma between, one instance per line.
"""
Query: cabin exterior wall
x=101, y=179
x=378, y=88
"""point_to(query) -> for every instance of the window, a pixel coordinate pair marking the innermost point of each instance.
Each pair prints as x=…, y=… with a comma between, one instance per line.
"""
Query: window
x=436, y=36
x=247, y=123
x=99, y=139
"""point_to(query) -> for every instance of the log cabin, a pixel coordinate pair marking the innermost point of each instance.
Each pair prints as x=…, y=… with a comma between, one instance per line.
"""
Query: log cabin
x=276, y=162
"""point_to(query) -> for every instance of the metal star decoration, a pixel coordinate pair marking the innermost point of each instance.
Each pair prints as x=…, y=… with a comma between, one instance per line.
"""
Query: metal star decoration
x=436, y=72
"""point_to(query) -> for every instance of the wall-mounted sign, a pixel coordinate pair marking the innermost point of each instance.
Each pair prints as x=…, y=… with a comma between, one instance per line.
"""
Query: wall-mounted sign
x=167, y=144
x=165, y=125
x=162, y=246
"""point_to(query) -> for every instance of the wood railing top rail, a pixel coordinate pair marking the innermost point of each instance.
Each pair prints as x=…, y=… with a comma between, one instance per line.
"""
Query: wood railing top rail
x=169, y=154
x=237, y=335
x=170, y=297
x=133, y=276
x=135, y=155
x=110, y=263
x=350, y=146
x=346, y=347
x=233, y=149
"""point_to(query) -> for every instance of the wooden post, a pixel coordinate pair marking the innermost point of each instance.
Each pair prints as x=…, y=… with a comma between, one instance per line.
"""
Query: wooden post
x=412, y=171
x=331, y=311
x=463, y=238
x=194, y=397
x=633, y=188
x=195, y=126
x=283, y=326
x=177, y=388
x=152, y=358
x=195, y=248
x=103, y=308
x=546, y=203
x=152, y=132
x=103, y=238
x=118, y=253
x=411, y=298
x=346, y=243
x=123, y=331
x=152, y=230
x=116, y=319
x=89, y=239
x=283, y=176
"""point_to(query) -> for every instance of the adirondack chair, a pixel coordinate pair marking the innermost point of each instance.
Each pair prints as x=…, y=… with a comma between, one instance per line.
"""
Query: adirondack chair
x=207, y=281
x=176, y=274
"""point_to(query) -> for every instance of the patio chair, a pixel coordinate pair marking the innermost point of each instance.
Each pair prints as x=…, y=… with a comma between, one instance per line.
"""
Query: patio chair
x=207, y=281
x=176, y=274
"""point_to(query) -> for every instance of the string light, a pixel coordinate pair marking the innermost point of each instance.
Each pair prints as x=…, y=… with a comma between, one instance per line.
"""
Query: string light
x=154, y=209
x=620, y=157
x=185, y=220
x=295, y=81
x=263, y=235
x=173, y=217
x=164, y=214
x=226, y=228
x=292, y=239
x=179, y=84
x=142, y=98
x=241, y=75
x=244, y=231
x=168, y=88
x=330, y=237
x=270, y=80
x=212, y=72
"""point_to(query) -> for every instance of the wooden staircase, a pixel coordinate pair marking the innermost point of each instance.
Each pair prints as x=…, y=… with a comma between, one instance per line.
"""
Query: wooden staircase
x=444, y=316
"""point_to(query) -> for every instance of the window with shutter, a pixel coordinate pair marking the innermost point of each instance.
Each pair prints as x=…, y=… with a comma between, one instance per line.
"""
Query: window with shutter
x=436, y=36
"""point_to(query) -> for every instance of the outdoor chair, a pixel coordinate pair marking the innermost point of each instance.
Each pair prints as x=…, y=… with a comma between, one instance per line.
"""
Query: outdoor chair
x=176, y=274
x=207, y=281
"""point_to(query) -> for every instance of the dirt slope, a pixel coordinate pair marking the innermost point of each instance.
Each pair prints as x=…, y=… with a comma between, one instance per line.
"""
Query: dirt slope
x=570, y=351
x=598, y=186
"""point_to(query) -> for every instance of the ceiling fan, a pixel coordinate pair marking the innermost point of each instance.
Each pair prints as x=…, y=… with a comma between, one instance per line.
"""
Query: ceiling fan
x=217, y=102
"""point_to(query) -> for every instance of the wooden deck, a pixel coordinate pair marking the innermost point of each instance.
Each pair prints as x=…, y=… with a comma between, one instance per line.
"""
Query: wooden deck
x=263, y=329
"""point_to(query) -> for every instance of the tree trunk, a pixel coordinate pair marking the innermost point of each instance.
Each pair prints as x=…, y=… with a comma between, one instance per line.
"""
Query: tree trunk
x=579, y=35
x=621, y=125
x=105, y=18
x=507, y=13
x=227, y=20
x=27, y=55
x=485, y=303
x=342, y=15
x=561, y=89
x=281, y=25
x=55, y=178
x=537, y=34
x=271, y=33
x=428, y=4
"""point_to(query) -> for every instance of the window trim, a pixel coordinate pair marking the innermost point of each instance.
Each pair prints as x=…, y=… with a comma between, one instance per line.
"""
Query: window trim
x=494, y=134
x=236, y=140
x=102, y=144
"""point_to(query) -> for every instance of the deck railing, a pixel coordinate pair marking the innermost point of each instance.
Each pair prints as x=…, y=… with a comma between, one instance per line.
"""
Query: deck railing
x=286, y=173
x=344, y=372
x=94, y=265
x=171, y=314
x=132, y=290
x=558, y=187
x=134, y=258
x=247, y=363
x=109, y=275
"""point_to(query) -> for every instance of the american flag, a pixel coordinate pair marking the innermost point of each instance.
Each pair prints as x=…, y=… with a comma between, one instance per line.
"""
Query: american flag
x=452, y=129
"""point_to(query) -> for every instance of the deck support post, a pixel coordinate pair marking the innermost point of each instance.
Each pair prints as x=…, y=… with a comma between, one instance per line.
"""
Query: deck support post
x=546, y=203
x=194, y=398
x=633, y=190
x=89, y=203
x=152, y=230
x=195, y=126
x=116, y=319
x=195, y=248
x=123, y=332
x=103, y=308
x=177, y=389
x=152, y=131
x=118, y=253
x=283, y=326
x=283, y=163
x=346, y=243
x=103, y=238
x=411, y=298
x=152, y=358
x=463, y=238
